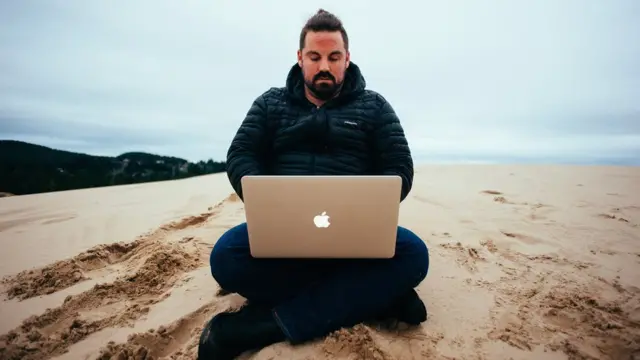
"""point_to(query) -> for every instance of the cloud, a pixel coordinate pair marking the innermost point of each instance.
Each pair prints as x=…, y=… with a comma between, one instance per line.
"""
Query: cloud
x=543, y=80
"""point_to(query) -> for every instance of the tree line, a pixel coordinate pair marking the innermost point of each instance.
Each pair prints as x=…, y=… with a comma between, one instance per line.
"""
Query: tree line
x=27, y=168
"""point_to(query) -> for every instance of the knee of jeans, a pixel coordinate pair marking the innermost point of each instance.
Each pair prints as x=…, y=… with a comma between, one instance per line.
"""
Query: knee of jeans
x=416, y=254
x=223, y=259
x=421, y=254
x=218, y=264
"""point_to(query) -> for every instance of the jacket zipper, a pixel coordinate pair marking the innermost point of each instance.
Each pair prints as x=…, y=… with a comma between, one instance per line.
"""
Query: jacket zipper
x=315, y=110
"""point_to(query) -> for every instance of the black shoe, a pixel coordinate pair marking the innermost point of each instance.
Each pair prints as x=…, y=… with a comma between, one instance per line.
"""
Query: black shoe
x=408, y=308
x=229, y=334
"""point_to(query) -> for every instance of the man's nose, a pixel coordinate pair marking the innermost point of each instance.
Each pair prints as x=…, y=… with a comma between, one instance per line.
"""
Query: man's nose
x=324, y=65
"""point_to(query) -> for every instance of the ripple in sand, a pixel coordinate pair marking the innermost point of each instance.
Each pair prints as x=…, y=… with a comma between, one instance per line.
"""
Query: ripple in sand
x=51, y=333
x=179, y=340
x=153, y=267
x=65, y=273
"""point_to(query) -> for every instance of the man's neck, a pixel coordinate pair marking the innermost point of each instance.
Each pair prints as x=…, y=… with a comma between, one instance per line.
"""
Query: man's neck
x=314, y=100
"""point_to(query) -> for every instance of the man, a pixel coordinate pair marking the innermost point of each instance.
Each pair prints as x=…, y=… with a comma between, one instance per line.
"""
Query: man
x=323, y=122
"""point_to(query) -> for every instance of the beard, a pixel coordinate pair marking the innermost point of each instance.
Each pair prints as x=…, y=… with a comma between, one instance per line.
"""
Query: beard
x=323, y=90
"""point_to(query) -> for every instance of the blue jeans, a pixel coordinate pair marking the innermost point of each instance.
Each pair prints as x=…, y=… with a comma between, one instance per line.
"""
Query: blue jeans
x=311, y=298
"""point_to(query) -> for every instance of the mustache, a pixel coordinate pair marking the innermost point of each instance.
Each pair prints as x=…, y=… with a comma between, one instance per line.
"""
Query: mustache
x=323, y=75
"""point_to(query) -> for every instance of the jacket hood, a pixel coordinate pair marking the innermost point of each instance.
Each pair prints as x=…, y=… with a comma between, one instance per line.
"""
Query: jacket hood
x=354, y=84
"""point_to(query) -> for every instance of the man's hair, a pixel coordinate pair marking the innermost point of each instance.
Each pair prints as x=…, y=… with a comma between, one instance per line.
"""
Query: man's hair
x=323, y=21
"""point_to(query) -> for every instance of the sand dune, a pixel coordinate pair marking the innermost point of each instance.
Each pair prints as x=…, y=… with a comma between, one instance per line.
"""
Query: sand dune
x=527, y=262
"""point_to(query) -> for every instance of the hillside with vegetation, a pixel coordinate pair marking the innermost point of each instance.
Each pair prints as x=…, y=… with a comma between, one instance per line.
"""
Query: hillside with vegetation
x=30, y=169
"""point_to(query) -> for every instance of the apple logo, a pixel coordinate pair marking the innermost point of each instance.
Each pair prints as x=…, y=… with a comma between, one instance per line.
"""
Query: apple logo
x=322, y=220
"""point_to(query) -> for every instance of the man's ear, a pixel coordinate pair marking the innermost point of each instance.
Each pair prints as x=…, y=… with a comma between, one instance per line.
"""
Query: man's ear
x=348, y=57
x=299, y=58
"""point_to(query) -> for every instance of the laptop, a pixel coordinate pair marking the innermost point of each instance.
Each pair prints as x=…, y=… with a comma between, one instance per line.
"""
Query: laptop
x=322, y=216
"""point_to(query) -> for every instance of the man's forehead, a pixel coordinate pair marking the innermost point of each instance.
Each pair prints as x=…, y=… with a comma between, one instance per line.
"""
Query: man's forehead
x=324, y=41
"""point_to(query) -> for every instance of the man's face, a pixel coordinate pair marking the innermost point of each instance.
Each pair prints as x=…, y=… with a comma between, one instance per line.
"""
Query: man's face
x=324, y=61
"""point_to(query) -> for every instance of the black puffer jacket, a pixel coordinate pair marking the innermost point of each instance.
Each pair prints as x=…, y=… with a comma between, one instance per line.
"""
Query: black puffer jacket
x=356, y=133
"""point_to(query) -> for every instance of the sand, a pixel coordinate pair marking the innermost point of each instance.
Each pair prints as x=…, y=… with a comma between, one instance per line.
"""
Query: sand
x=527, y=262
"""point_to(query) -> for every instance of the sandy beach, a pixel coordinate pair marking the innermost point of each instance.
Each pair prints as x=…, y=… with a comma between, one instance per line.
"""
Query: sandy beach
x=527, y=262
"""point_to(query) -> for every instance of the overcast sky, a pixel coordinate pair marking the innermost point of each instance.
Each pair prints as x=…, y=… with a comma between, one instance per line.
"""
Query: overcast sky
x=487, y=80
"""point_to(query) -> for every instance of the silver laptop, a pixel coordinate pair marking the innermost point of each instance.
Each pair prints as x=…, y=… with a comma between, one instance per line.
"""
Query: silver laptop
x=322, y=216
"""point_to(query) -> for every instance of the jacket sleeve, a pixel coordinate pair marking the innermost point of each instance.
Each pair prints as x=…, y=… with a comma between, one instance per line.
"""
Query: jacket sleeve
x=393, y=156
x=246, y=152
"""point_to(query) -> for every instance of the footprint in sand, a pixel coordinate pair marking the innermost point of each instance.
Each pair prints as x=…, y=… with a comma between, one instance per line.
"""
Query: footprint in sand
x=488, y=243
x=147, y=269
x=538, y=211
x=497, y=196
x=527, y=245
x=619, y=218
x=521, y=251
x=501, y=200
x=530, y=240
x=491, y=192
x=466, y=257
x=508, y=329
